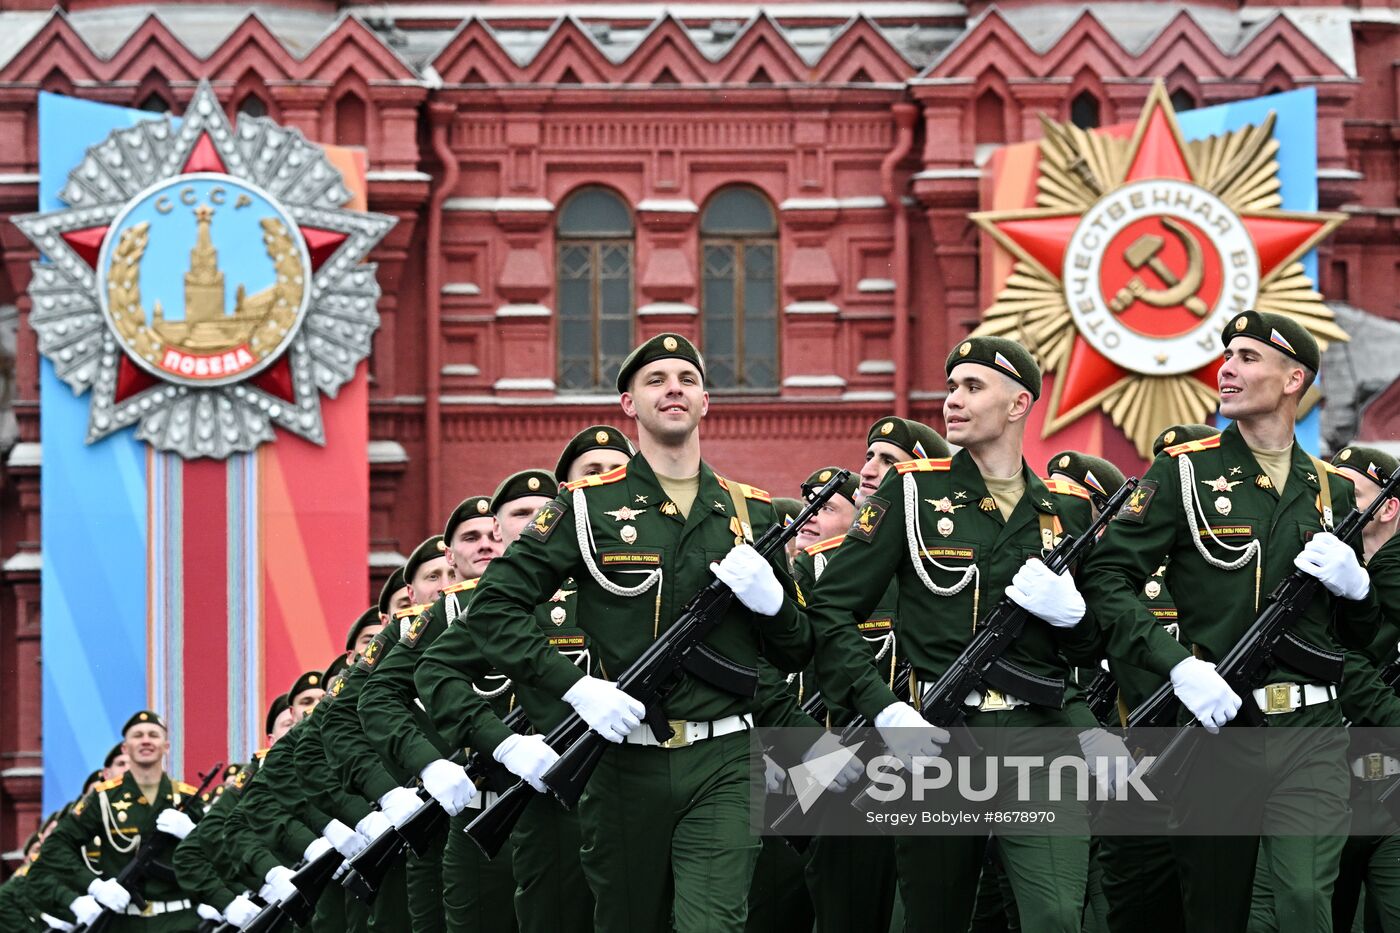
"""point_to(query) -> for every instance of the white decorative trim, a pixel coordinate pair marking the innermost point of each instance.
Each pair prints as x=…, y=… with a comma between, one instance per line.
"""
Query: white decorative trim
x=397, y=175
x=872, y=395
x=522, y=311
x=1342, y=173
x=23, y=561
x=461, y=288
x=492, y=205
x=942, y=173
x=387, y=452
x=25, y=454
x=19, y=773
x=875, y=367
x=668, y=205
x=523, y=385
x=667, y=307
x=866, y=286
x=390, y=559
x=19, y=178
x=833, y=204
x=811, y=307
x=461, y=369
x=814, y=382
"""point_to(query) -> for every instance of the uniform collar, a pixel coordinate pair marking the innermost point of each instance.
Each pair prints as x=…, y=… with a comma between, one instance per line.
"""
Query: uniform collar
x=966, y=477
x=1235, y=452
x=645, y=491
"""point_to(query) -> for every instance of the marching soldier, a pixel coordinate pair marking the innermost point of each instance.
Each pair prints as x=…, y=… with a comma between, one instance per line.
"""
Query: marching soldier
x=666, y=842
x=1229, y=517
x=394, y=597
x=362, y=632
x=122, y=813
x=972, y=519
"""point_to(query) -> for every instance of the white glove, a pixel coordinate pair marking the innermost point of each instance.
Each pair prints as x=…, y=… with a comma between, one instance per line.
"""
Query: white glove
x=241, y=911
x=774, y=777
x=316, y=848
x=174, y=823
x=86, y=909
x=110, y=894
x=1047, y=595
x=53, y=923
x=853, y=768
x=1205, y=693
x=607, y=710
x=752, y=579
x=208, y=913
x=908, y=734
x=527, y=757
x=373, y=825
x=346, y=841
x=278, y=886
x=448, y=784
x=1335, y=565
x=399, y=804
x=1101, y=744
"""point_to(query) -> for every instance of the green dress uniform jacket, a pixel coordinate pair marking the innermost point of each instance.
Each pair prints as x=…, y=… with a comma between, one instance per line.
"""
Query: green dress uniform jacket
x=265, y=829
x=321, y=785
x=102, y=833
x=15, y=910
x=967, y=552
x=643, y=560
x=358, y=763
x=200, y=862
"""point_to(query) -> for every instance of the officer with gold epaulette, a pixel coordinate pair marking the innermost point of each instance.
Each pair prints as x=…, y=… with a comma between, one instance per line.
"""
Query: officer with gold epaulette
x=1231, y=516
x=973, y=520
x=666, y=841
x=123, y=813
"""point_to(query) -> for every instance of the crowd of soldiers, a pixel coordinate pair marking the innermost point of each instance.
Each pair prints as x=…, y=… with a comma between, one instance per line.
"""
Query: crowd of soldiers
x=535, y=597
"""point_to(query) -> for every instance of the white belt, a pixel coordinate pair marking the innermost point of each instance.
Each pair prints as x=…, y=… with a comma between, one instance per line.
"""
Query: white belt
x=483, y=800
x=1375, y=767
x=154, y=908
x=993, y=700
x=687, y=732
x=1273, y=699
x=53, y=923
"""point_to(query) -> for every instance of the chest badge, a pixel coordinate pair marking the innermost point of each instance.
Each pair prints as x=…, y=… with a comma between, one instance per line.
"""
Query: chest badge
x=945, y=526
x=561, y=594
x=1221, y=484
x=1263, y=481
x=557, y=615
x=988, y=504
x=1153, y=589
x=628, y=534
x=669, y=508
x=944, y=505
x=625, y=514
x=1223, y=505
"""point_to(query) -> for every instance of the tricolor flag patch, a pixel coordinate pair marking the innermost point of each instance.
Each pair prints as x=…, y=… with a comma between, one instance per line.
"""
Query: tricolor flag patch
x=1005, y=364
x=1276, y=338
x=1092, y=480
x=919, y=451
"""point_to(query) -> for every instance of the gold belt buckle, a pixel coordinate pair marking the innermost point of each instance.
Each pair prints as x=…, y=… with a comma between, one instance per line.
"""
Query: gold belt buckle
x=1278, y=698
x=678, y=738
x=1374, y=768
x=993, y=701
x=149, y=909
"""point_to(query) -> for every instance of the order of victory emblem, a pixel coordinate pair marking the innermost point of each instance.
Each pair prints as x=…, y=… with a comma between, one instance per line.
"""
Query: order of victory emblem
x=1140, y=249
x=205, y=282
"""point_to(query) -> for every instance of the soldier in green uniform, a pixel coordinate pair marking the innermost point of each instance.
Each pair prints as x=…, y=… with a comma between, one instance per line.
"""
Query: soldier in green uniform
x=664, y=821
x=787, y=511
x=1230, y=517
x=362, y=632
x=393, y=596
x=388, y=707
x=123, y=813
x=974, y=520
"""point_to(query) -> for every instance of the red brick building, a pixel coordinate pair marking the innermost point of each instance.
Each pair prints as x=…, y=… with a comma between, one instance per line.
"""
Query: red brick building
x=789, y=184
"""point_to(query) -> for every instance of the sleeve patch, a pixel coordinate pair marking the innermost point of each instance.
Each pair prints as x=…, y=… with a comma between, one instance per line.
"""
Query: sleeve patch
x=871, y=513
x=373, y=651
x=415, y=630
x=545, y=521
x=1135, y=509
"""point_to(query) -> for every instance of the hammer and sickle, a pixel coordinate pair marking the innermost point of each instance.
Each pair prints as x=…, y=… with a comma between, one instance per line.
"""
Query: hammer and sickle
x=1180, y=291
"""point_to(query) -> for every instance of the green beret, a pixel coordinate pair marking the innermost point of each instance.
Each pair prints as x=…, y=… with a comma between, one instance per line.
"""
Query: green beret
x=423, y=553
x=34, y=836
x=660, y=347
x=112, y=755
x=335, y=667
x=1371, y=462
x=367, y=618
x=1277, y=330
x=522, y=484
x=597, y=437
x=1180, y=434
x=470, y=507
x=918, y=439
x=278, y=707
x=1003, y=355
x=787, y=510
x=141, y=717
x=391, y=586
x=311, y=680
x=90, y=780
x=821, y=477
x=1091, y=472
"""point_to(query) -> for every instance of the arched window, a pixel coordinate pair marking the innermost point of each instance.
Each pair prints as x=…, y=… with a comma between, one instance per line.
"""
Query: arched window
x=595, y=289
x=739, y=303
x=1084, y=110
x=154, y=103
x=1182, y=100
x=253, y=106
x=989, y=118
x=350, y=121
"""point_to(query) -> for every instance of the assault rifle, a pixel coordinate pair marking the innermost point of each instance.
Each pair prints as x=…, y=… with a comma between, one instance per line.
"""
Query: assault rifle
x=681, y=648
x=134, y=872
x=1101, y=696
x=1266, y=643
x=981, y=665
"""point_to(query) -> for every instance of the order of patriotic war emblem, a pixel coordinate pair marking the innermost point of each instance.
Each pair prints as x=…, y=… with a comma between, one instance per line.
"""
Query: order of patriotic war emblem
x=205, y=282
